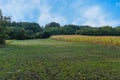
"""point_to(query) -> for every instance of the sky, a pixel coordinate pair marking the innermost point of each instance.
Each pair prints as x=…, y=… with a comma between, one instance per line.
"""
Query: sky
x=78, y=12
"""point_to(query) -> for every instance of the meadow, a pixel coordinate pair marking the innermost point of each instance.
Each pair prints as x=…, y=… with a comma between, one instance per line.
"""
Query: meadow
x=49, y=59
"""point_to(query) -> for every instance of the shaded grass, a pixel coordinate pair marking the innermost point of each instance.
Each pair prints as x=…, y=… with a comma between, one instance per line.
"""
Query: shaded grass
x=48, y=59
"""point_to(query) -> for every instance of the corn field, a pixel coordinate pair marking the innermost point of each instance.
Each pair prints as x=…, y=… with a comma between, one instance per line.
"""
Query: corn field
x=109, y=40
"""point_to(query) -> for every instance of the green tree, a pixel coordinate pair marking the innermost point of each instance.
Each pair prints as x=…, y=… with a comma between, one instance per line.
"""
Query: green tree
x=106, y=30
x=20, y=33
x=69, y=29
x=53, y=30
x=52, y=24
x=3, y=35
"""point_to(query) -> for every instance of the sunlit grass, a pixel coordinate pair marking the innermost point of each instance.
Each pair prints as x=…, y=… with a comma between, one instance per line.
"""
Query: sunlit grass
x=109, y=40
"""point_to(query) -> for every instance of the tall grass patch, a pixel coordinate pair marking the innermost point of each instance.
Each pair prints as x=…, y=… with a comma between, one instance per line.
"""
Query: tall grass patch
x=109, y=40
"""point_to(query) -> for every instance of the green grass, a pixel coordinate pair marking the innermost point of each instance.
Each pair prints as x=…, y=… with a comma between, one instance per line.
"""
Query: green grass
x=47, y=59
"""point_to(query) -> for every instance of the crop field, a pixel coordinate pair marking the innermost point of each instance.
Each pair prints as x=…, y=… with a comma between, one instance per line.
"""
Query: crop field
x=49, y=59
x=109, y=40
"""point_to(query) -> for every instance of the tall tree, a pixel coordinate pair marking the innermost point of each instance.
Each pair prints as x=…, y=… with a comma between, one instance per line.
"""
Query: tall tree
x=52, y=24
x=3, y=35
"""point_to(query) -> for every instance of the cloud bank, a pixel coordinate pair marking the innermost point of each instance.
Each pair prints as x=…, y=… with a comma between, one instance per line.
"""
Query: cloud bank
x=81, y=12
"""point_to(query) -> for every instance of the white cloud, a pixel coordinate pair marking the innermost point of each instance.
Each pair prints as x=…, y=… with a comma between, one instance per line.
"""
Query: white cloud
x=22, y=10
x=84, y=13
x=19, y=9
x=92, y=13
x=46, y=16
x=94, y=16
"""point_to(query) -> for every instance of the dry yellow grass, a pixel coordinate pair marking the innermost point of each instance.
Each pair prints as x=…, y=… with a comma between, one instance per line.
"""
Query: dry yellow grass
x=109, y=40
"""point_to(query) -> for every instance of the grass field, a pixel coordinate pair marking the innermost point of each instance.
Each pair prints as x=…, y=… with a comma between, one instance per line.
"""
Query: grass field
x=47, y=59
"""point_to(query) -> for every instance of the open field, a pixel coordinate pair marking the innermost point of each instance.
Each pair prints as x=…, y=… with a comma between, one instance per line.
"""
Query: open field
x=47, y=59
x=109, y=40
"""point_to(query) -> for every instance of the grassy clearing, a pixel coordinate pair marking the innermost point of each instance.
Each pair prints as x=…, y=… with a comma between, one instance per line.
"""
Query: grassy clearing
x=109, y=40
x=48, y=59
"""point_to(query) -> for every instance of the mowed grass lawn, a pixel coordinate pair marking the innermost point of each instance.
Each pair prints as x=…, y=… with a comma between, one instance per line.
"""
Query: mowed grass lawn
x=47, y=59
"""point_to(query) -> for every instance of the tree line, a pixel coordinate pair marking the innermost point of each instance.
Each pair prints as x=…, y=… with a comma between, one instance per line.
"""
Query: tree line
x=26, y=30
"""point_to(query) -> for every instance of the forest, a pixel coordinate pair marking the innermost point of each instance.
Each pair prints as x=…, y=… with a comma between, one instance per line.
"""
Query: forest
x=27, y=30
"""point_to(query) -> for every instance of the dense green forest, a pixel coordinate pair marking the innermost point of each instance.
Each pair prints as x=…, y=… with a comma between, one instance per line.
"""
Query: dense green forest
x=26, y=30
x=29, y=30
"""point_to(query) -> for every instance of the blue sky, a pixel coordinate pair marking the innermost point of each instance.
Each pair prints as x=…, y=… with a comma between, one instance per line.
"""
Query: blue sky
x=80, y=12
